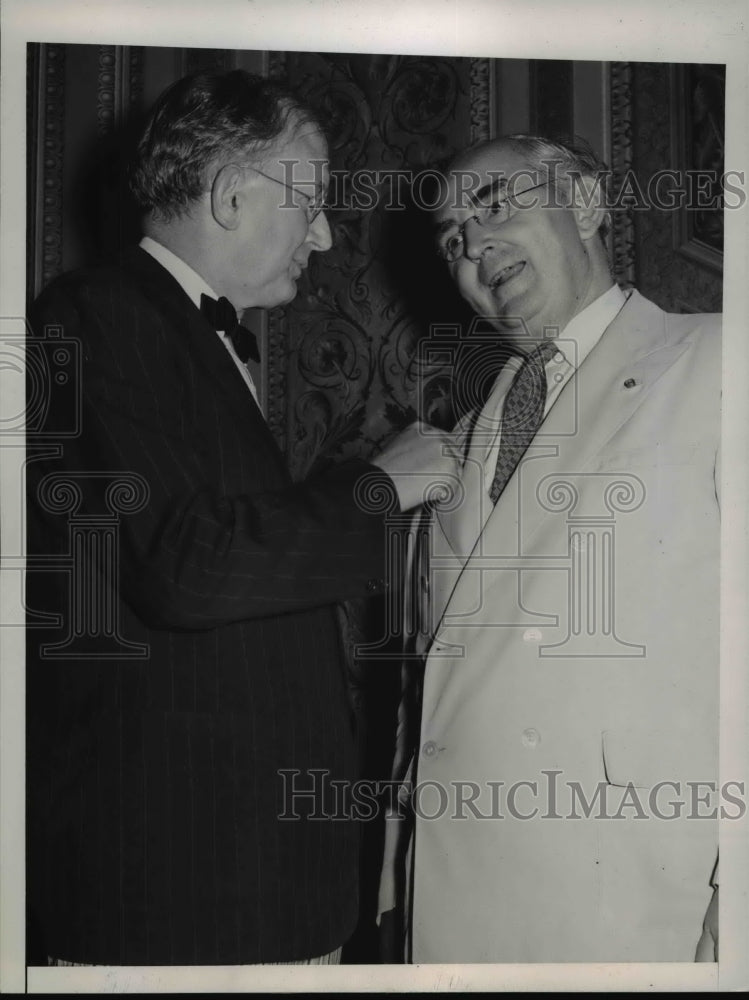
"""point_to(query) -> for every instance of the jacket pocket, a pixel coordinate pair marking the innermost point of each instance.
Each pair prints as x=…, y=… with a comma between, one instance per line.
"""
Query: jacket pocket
x=646, y=757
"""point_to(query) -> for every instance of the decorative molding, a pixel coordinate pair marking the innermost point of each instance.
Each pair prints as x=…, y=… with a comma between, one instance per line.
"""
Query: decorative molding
x=482, y=100
x=621, y=160
x=45, y=150
x=108, y=89
x=135, y=63
x=119, y=85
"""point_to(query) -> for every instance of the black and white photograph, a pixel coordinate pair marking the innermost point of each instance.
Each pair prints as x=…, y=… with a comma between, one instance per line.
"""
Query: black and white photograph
x=374, y=489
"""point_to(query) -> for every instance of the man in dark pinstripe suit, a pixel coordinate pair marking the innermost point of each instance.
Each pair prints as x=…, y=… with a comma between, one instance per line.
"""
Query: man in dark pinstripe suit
x=156, y=741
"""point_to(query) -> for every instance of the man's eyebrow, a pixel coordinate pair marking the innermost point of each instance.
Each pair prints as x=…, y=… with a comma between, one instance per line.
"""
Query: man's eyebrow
x=498, y=185
x=495, y=186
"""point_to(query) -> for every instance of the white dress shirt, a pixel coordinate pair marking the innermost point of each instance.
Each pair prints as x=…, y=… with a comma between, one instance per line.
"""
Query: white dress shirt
x=194, y=286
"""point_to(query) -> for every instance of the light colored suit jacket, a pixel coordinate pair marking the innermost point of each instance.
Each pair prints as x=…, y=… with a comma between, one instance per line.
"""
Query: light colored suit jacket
x=575, y=671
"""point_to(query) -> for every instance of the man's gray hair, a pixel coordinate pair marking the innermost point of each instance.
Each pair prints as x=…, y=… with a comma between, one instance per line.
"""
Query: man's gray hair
x=202, y=121
x=565, y=161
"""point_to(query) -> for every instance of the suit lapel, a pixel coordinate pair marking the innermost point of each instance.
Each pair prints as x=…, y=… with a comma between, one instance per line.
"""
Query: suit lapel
x=462, y=524
x=611, y=384
x=199, y=341
x=601, y=397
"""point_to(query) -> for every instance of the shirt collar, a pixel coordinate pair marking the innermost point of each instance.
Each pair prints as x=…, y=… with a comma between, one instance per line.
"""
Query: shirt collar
x=192, y=284
x=587, y=327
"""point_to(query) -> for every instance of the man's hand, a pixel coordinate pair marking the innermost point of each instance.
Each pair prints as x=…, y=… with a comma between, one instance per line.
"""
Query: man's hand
x=707, y=946
x=423, y=463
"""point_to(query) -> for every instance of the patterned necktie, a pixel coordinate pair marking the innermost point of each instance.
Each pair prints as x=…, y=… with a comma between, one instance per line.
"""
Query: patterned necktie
x=222, y=315
x=522, y=414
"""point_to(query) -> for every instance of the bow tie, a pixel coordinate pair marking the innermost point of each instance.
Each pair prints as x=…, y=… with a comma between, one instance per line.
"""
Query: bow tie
x=222, y=315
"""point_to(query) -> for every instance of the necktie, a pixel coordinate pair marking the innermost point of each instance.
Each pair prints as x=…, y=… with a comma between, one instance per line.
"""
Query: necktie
x=522, y=414
x=222, y=315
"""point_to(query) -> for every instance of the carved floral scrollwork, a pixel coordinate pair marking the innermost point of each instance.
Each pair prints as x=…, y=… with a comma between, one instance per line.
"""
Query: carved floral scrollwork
x=421, y=97
x=397, y=362
x=347, y=118
x=329, y=358
x=351, y=333
x=482, y=96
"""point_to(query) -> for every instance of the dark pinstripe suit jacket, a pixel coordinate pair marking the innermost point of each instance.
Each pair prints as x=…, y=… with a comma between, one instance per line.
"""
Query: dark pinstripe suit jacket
x=153, y=783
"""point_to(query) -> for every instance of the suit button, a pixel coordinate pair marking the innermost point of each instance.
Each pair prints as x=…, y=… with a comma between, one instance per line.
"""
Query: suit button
x=374, y=585
x=530, y=738
x=429, y=749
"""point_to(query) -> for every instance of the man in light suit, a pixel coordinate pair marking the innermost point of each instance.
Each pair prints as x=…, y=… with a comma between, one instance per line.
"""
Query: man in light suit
x=197, y=653
x=557, y=804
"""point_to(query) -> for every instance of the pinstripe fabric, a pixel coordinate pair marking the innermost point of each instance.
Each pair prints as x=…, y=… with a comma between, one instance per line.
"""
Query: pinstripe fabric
x=332, y=958
x=153, y=785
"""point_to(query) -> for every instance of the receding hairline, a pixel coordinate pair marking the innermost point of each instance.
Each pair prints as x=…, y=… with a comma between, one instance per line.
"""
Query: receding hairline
x=519, y=144
x=298, y=125
x=464, y=159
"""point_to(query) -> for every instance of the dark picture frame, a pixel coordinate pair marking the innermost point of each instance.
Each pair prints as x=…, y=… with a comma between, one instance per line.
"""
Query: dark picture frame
x=698, y=148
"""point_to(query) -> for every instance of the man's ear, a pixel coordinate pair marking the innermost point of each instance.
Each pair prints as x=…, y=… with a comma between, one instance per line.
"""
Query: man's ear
x=228, y=195
x=588, y=206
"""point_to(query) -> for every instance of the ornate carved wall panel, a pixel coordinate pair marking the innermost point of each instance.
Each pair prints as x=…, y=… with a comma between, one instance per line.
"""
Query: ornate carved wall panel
x=346, y=360
x=46, y=132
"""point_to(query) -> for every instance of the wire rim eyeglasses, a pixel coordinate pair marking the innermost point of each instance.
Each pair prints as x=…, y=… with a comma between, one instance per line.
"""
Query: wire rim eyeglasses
x=313, y=206
x=491, y=216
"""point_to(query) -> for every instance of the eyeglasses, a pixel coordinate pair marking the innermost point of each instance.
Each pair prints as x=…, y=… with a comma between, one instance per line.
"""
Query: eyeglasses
x=452, y=247
x=313, y=206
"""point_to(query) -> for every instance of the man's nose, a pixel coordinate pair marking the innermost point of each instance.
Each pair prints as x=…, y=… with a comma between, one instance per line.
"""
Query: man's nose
x=319, y=234
x=477, y=239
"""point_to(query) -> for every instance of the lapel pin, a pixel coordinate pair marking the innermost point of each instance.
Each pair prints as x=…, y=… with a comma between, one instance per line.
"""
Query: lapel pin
x=629, y=383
